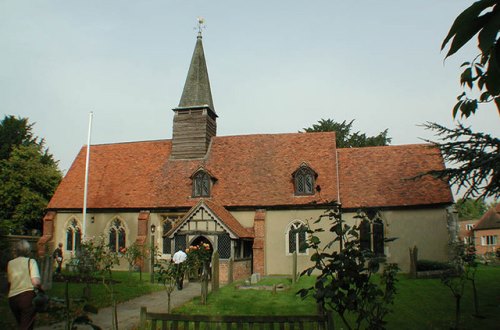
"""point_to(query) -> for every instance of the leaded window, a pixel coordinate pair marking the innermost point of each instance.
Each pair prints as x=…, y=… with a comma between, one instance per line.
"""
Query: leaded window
x=116, y=236
x=371, y=236
x=180, y=242
x=201, y=184
x=224, y=246
x=304, y=179
x=73, y=236
x=365, y=235
x=296, y=238
x=167, y=242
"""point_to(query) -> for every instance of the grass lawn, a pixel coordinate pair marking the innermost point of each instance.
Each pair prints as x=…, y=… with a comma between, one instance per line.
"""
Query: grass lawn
x=419, y=304
x=128, y=286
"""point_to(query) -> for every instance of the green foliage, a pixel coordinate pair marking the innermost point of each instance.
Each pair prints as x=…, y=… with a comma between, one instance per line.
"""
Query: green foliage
x=469, y=208
x=473, y=158
x=134, y=253
x=426, y=265
x=198, y=258
x=345, y=138
x=28, y=182
x=345, y=282
x=483, y=72
x=463, y=269
x=167, y=274
x=15, y=132
x=95, y=258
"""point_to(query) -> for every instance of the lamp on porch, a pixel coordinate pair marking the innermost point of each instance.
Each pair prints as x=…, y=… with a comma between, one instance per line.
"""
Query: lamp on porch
x=153, y=229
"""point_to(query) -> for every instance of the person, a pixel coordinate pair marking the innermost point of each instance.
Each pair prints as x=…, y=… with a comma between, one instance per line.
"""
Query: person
x=23, y=276
x=58, y=257
x=178, y=258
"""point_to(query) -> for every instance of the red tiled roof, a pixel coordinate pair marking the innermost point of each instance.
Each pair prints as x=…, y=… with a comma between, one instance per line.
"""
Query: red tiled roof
x=490, y=220
x=121, y=175
x=221, y=213
x=254, y=171
x=228, y=219
x=381, y=176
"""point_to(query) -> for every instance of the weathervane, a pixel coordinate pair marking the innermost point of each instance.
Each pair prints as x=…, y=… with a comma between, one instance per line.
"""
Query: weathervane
x=201, y=25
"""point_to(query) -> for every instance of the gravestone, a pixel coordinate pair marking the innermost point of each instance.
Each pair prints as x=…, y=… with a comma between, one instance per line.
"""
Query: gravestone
x=255, y=278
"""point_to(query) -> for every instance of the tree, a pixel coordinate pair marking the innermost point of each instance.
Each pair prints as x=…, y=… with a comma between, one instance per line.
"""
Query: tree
x=483, y=72
x=28, y=176
x=476, y=157
x=14, y=132
x=28, y=181
x=345, y=283
x=345, y=138
x=463, y=270
x=469, y=208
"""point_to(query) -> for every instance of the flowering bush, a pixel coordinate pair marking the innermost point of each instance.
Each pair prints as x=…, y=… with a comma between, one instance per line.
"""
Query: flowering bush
x=198, y=257
x=134, y=253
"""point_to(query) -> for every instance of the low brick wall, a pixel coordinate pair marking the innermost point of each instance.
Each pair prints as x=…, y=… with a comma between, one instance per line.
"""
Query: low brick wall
x=241, y=269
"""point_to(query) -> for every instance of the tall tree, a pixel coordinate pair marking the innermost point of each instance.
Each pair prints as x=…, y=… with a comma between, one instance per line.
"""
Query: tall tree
x=345, y=138
x=469, y=208
x=474, y=160
x=475, y=156
x=28, y=177
x=14, y=132
x=483, y=72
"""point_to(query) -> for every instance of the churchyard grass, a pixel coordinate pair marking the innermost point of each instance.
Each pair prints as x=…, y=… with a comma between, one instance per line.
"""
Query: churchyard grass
x=127, y=286
x=419, y=304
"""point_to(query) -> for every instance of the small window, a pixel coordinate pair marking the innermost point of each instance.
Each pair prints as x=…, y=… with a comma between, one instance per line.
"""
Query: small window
x=167, y=242
x=469, y=226
x=304, y=180
x=201, y=184
x=117, y=237
x=73, y=236
x=489, y=240
x=296, y=238
x=224, y=246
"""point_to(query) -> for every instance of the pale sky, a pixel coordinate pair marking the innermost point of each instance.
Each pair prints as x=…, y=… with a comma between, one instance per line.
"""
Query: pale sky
x=274, y=66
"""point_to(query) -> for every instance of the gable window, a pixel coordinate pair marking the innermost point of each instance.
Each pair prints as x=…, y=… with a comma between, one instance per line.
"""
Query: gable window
x=371, y=236
x=201, y=184
x=304, y=179
x=469, y=226
x=296, y=238
x=73, y=236
x=116, y=236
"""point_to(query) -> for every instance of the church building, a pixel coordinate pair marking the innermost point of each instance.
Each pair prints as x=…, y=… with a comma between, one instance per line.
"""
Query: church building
x=247, y=195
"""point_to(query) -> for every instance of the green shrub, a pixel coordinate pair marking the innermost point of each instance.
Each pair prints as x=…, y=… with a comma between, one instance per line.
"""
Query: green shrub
x=426, y=265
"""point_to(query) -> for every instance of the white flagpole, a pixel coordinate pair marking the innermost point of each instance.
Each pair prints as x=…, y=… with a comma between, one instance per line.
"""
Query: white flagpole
x=87, y=161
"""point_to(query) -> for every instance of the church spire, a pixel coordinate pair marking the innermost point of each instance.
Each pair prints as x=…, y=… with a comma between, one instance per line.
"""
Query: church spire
x=197, y=91
x=195, y=118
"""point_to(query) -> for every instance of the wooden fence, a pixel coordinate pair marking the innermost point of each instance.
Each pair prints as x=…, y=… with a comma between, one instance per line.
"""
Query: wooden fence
x=197, y=322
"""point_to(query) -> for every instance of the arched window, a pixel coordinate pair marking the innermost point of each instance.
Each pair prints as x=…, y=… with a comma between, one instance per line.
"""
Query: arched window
x=365, y=235
x=117, y=236
x=296, y=238
x=201, y=184
x=378, y=237
x=371, y=236
x=304, y=180
x=167, y=242
x=73, y=236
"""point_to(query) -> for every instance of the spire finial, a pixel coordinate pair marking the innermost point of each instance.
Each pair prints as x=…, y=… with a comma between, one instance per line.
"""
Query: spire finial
x=201, y=25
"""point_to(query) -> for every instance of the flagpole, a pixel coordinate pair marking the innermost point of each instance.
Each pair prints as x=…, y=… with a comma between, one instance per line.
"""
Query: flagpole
x=87, y=161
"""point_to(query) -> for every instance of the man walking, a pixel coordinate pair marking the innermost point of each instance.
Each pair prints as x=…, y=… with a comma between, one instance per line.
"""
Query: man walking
x=178, y=258
x=58, y=257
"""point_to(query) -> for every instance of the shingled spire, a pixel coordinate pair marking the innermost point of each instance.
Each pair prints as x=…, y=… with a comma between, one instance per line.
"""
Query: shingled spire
x=195, y=117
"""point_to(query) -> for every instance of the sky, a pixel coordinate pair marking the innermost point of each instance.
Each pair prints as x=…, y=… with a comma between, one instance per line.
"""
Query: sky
x=274, y=67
